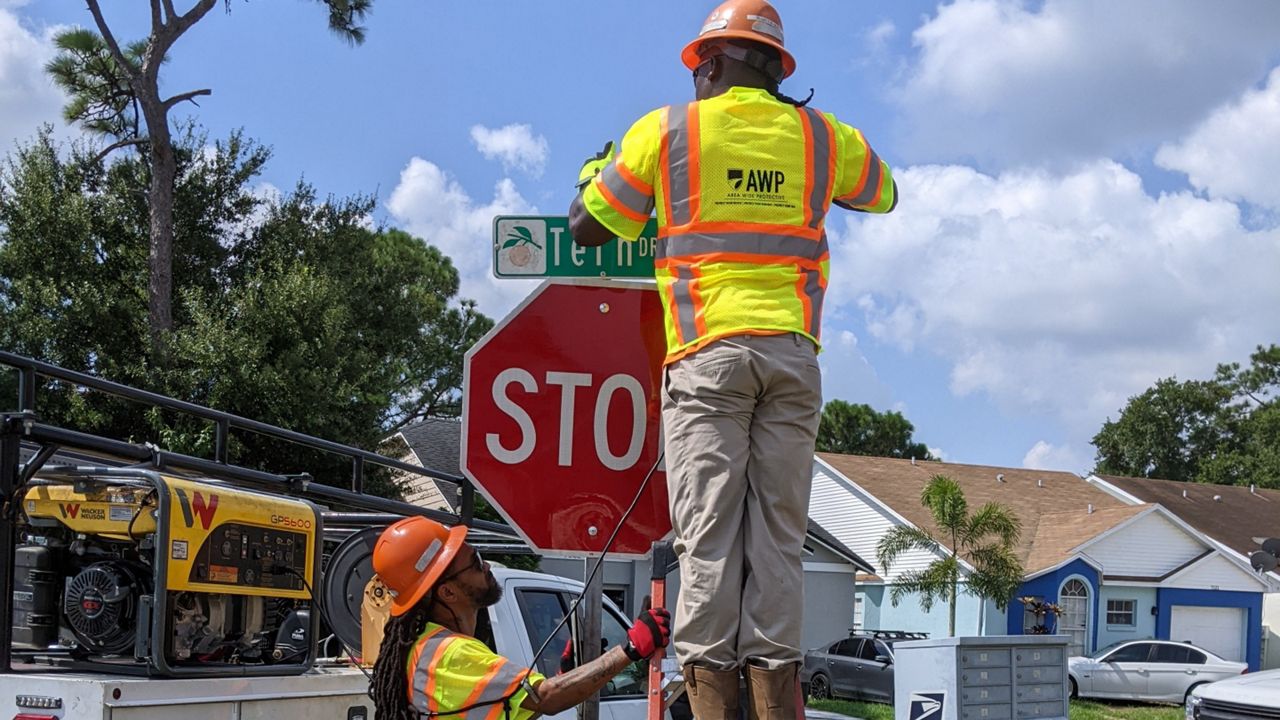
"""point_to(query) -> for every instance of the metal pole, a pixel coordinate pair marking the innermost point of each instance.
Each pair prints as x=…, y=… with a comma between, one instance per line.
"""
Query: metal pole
x=10, y=445
x=592, y=604
x=357, y=475
x=221, y=435
x=27, y=382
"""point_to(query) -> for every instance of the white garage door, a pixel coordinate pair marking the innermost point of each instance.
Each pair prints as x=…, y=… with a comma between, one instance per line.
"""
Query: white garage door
x=1218, y=630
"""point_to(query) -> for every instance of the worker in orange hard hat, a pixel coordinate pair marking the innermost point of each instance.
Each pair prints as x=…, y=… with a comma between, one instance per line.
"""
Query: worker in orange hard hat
x=439, y=584
x=742, y=180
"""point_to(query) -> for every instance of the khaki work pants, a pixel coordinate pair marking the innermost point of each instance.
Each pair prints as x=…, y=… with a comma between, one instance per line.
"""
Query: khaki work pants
x=740, y=418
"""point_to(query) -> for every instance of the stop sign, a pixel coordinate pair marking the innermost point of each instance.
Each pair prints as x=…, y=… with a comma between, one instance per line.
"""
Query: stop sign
x=561, y=416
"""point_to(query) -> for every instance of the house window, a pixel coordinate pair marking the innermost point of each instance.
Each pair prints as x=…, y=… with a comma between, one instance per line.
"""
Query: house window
x=859, y=601
x=1121, y=613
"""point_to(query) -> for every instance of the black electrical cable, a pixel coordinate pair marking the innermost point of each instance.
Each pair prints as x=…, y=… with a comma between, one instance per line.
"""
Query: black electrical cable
x=146, y=502
x=324, y=614
x=603, y=553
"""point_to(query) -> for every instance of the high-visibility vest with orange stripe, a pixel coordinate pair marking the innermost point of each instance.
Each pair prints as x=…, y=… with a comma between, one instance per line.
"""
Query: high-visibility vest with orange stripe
x=741, y=183
x=457, y=677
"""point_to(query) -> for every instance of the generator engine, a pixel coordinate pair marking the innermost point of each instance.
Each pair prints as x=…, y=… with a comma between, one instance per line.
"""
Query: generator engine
x=175, y=577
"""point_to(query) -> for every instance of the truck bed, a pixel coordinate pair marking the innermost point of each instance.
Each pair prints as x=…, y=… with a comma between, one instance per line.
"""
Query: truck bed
x=338, y=693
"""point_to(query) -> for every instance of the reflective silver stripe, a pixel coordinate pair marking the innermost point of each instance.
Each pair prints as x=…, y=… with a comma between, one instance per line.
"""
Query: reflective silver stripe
x=687, y=244
x=636, y=201
x=682, y=293
x=422, y=671
x=873, y=182
x=494, y=691
x=427, y=556
x=678, y=165
x=821, y=159
x=813, y=288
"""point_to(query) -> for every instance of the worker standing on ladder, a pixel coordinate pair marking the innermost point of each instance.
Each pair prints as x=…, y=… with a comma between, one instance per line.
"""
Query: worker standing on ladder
x=431, y=665
x=742, y=180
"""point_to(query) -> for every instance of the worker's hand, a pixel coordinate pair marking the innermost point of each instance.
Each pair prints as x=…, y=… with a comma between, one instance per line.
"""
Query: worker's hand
x=594, y=165
x=650, y=633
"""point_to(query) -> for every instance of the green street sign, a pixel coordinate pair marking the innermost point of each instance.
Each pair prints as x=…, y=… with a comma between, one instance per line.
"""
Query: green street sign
x=536, y=246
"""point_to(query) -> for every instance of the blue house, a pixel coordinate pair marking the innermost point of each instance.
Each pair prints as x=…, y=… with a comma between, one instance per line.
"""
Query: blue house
x=1117, y=570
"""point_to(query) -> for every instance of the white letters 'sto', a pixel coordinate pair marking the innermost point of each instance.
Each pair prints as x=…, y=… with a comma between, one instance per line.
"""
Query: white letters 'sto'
x=569, y=383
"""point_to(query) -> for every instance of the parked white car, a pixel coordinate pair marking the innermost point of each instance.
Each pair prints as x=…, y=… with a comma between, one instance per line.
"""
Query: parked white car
x=1256, y=695
x=1153, y=670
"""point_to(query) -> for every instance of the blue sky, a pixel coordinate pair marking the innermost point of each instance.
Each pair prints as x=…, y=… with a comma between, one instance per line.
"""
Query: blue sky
x=1089, y=200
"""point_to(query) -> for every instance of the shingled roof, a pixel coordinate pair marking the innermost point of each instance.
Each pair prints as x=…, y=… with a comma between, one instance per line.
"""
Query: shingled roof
x=436, y=445
x=1234, y=518
x=1058, y=510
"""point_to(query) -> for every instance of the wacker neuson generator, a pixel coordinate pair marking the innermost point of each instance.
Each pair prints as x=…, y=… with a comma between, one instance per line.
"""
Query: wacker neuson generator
x=128, y=567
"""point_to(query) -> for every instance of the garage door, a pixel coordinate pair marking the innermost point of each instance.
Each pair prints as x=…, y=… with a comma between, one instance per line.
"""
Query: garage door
x=1218, y=630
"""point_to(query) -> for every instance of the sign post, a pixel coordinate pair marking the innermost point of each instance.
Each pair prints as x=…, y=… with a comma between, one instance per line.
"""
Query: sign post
x=561, y=417
x=534, y=246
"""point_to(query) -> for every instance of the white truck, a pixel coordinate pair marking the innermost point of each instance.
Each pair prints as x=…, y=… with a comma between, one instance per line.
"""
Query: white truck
x=139, y=584
x=532, y=605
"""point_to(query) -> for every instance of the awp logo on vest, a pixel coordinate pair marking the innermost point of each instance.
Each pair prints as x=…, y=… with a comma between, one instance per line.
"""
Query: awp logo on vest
x=756, y=180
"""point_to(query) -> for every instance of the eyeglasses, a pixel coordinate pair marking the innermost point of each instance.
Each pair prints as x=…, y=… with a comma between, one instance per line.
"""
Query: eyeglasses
x=704, y=64
x=477, y=563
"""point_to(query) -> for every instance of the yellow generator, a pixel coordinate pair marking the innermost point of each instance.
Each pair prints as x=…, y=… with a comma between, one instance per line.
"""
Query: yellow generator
x=132, y=570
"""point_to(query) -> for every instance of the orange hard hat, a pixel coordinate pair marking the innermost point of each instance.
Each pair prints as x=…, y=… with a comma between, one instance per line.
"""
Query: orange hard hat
x=754, y=20
x=410, y=557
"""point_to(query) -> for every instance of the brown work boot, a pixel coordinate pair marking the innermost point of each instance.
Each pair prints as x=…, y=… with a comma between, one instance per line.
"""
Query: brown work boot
x=713, y=694
x=775, y=694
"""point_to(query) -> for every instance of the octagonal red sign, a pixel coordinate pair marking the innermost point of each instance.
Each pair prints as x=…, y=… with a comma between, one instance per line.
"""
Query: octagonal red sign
x=561, y=416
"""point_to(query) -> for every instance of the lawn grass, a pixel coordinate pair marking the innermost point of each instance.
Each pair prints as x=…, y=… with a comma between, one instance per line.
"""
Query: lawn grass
x=1080, y=710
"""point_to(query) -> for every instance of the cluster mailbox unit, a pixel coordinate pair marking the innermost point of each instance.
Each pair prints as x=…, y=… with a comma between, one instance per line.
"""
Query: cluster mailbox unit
x=981, y=678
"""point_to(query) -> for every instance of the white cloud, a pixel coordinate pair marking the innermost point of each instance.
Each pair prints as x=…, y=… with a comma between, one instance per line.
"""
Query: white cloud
x=878, y=37
x=847, y=375
x=1058, y=296
x=1046, y=456
x=1023, y=83
x=515, y=145
x=429, y=203
x=28, y=97
x=1234, y=154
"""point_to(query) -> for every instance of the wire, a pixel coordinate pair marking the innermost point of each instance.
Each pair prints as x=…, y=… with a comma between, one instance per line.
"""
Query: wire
x=572, y=609
x=146, y=501
x=315, y=600
x=603, y=553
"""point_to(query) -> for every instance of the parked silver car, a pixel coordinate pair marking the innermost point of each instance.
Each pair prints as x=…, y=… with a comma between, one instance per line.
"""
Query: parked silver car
x=1152, y=670
x=858, y=667
x=1256, y=695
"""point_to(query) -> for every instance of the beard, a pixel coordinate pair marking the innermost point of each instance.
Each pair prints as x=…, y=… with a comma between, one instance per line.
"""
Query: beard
x=489, y=595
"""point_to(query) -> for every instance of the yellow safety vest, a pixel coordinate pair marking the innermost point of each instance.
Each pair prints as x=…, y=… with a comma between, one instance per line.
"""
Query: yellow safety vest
x=742, y=184
x=456, y=677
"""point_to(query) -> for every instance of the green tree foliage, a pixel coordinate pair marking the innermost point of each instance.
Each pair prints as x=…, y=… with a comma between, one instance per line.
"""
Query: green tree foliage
x=859, y=430
x=984, y=539
x=1225, y=430
x=114, y=91
x=294, y=312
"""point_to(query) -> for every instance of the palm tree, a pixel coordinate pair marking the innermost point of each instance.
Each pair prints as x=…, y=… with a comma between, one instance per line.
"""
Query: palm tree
x=984, y=540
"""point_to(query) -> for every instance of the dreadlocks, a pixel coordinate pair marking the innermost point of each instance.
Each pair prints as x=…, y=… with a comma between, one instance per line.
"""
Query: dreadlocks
x=390, y=687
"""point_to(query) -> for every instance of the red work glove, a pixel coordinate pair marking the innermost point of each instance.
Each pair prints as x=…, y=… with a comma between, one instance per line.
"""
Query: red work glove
x=566, y=657
x=650, y=633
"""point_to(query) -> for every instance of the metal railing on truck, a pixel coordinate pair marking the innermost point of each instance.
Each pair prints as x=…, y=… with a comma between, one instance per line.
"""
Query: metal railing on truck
x=23, y=426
